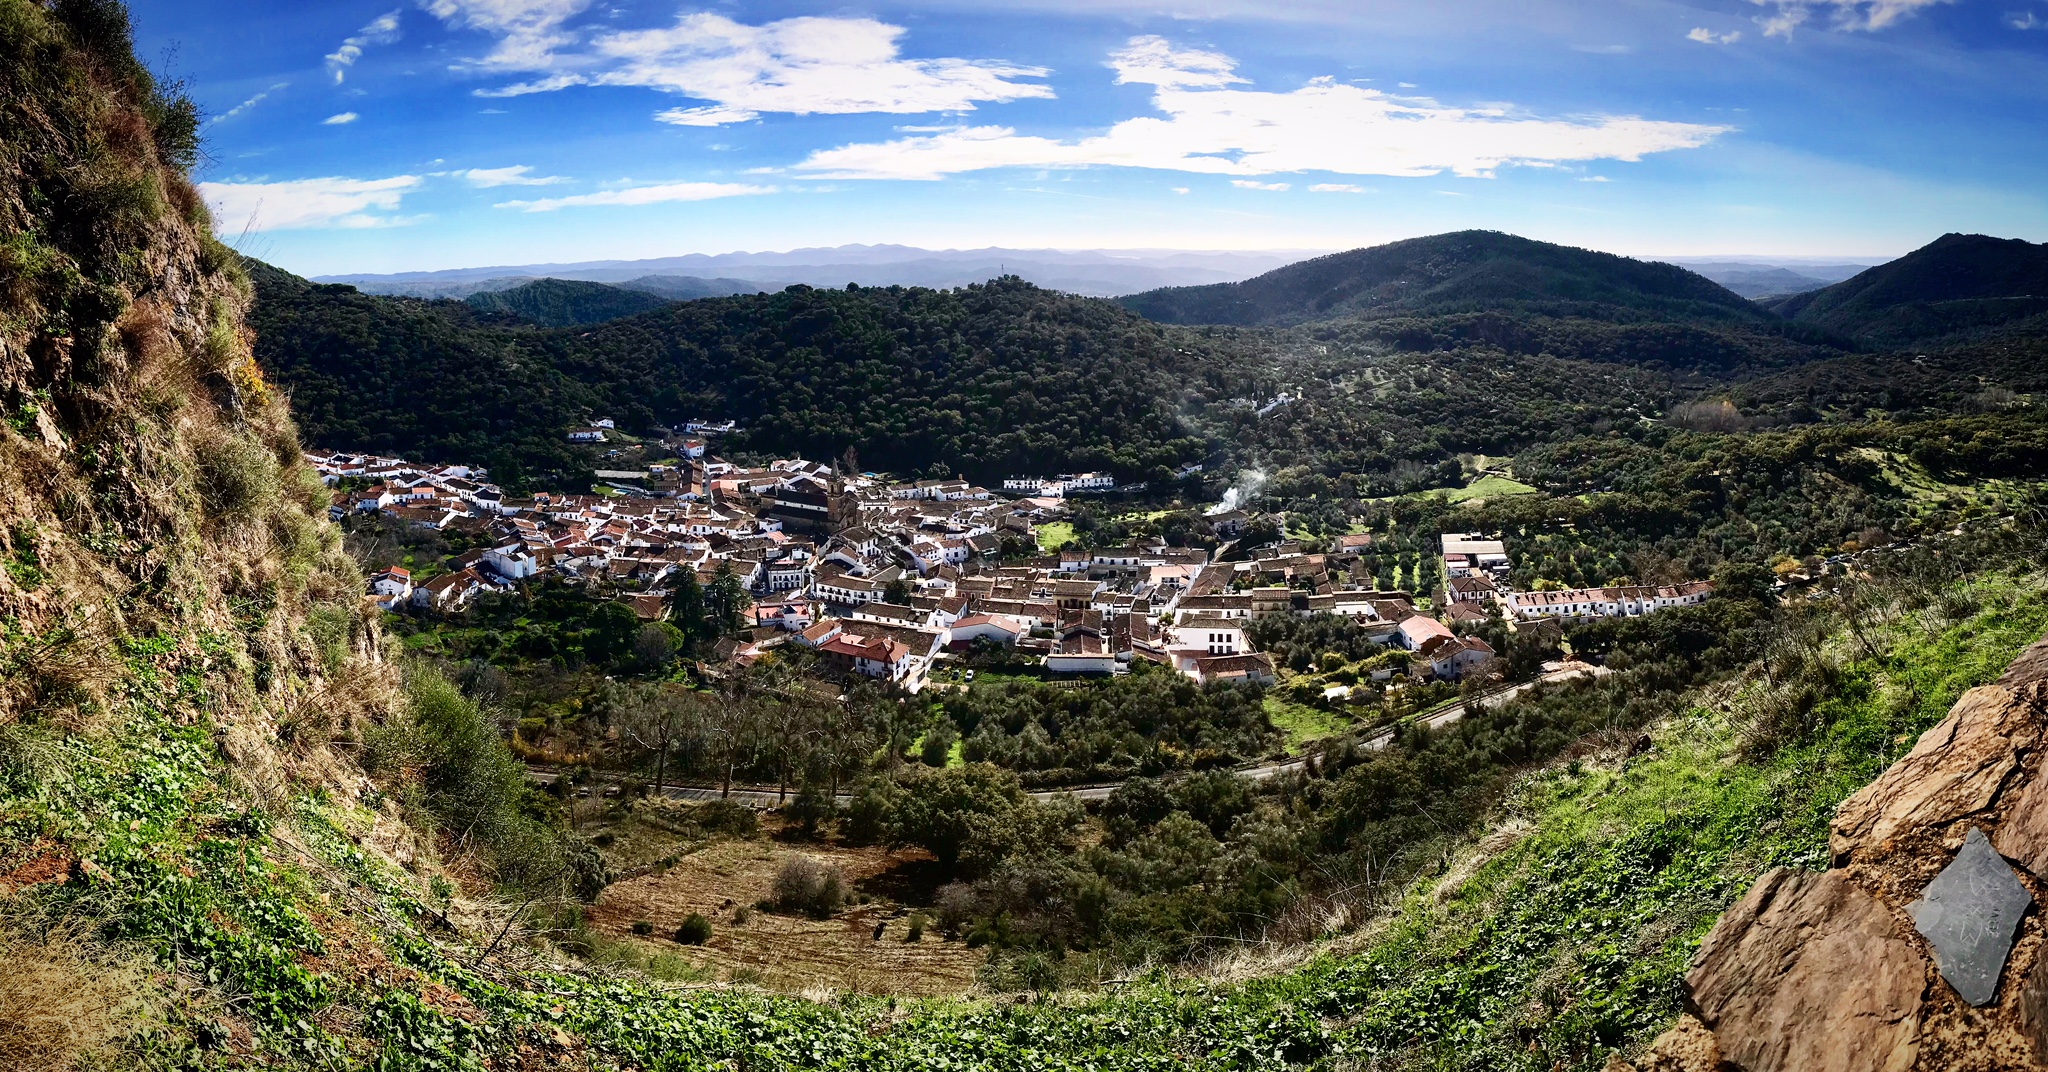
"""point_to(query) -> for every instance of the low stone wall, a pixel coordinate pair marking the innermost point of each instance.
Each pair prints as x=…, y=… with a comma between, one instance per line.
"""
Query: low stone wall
x=1922, y=947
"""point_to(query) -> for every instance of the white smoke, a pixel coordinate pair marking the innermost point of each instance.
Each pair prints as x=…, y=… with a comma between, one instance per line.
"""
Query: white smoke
x=1249, y=481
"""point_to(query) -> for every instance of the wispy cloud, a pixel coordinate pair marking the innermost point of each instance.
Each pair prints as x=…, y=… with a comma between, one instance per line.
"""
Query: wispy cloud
x=1324, y=126
x=247, y=104
x=800, y=66
x=380, y=31
x=643, y=195
x=343, y=119
x=302, y=204
x=528, y=31
x=1253, y=184
x=2024, y=20
x=1338, y=188
x=517, y=175
x=1605, y=50
x=1850, y=15
x=1708, y=37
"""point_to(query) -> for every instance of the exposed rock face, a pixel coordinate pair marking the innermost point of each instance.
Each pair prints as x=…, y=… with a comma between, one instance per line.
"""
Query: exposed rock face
x=1826, y=971
x=1811, y=969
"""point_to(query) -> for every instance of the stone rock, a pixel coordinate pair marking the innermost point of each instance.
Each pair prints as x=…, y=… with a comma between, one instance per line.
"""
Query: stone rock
x=1970, y=914
x=1809, y=972
x=1955, y=770
x=2022, y=835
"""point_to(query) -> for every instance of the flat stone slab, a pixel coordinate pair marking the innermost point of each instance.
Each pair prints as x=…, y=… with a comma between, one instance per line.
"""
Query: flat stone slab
x=1971, y=914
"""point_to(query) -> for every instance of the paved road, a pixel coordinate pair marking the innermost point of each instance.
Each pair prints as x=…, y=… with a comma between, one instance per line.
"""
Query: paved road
x=756, y=796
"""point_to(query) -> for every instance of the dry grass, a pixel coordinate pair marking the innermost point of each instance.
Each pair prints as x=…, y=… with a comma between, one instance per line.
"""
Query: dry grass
x=67, y=1000
x=787, y=951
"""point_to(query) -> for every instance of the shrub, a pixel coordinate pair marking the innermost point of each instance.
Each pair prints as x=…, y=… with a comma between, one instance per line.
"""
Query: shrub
x=808, y=886
x=938, y=745
x=237, y=477
x=917, y=921
x=642, y=928
x=696, y=930
x=812, y=807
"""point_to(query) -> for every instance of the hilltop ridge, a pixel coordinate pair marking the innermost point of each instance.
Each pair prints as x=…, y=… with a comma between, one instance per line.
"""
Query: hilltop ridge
x=1954, y=287
x=1459, y=272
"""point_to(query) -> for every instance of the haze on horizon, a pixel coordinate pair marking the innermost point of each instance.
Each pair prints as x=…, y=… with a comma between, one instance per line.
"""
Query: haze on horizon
x=393, y=136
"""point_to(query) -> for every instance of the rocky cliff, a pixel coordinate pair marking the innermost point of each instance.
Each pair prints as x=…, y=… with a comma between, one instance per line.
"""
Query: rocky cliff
x=1922, y=947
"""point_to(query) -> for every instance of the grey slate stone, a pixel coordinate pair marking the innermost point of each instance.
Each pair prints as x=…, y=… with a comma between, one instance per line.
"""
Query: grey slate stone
x=1971, y=913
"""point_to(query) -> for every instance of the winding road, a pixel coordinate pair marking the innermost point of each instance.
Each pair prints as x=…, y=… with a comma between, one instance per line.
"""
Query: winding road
x=766, y=796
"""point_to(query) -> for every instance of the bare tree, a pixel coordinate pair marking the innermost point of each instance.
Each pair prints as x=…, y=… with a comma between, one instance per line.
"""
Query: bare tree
x=656, y=718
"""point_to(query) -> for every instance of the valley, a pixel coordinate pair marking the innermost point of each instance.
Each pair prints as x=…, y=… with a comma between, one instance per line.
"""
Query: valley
x=1431, y=655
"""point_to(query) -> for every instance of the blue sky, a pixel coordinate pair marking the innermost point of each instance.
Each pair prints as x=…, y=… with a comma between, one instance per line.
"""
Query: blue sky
x=396, y=135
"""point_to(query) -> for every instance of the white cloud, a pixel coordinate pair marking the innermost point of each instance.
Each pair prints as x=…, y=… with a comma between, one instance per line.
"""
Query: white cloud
x=716, y=115
x=528, y=31
x=306, y=203
x=1251, y=184
x=247, y=104
x=1323, y=126
x=1594, y=178
x=797, y=66
x=643, y=195
x=1865, y=15
x=343, y=119
x=1152, y=61
x=1338, y=188
x=508, y=176
x=1180, y=189
x=2024, y=20
x=1708, y=37
x=380, y=31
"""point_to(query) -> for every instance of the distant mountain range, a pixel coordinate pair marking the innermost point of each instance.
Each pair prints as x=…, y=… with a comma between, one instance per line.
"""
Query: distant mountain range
x=1097, y=273
x=1956, y=287
x=1757, y=279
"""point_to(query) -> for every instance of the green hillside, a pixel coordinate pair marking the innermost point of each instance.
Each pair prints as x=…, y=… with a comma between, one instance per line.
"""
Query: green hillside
x=1453, y=273
x=1956, y=286
x=988, y=380
x=561, y=303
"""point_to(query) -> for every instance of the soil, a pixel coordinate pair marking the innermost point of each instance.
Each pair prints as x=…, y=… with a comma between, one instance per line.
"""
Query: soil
x=46, y=862
x=793, y=953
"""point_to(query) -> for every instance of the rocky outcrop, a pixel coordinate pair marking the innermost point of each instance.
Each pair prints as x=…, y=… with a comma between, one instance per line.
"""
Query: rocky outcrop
x=1827, y=971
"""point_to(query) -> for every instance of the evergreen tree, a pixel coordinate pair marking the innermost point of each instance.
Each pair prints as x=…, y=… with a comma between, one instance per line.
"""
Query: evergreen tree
x=686, y=606
x=727, y=600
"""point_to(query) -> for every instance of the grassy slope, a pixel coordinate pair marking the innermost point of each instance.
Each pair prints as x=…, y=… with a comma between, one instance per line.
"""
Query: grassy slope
x=1567, y=942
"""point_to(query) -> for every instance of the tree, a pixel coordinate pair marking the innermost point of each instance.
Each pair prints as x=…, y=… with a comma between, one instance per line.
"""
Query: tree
x=726, y=601
x=656, y=645
x=952, y=811
x=896, y=591
x=609, y=633
x=655, y=718
x=686, y=606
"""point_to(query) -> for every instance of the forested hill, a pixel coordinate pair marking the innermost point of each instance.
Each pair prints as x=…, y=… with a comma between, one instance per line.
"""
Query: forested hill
x=1452, y=273
x=1958, y=285
x=565, y=303
x=986, y=380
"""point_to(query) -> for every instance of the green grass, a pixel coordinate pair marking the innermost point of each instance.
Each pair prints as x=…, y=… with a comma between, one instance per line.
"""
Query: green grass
x=1054, y=535
x=1488, y=487
x=1302, y=723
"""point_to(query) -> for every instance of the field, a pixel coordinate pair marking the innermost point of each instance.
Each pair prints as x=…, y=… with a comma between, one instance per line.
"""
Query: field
x=1302, y=723
x=1054, y=535
x=1488, y=487
x=722, y=877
